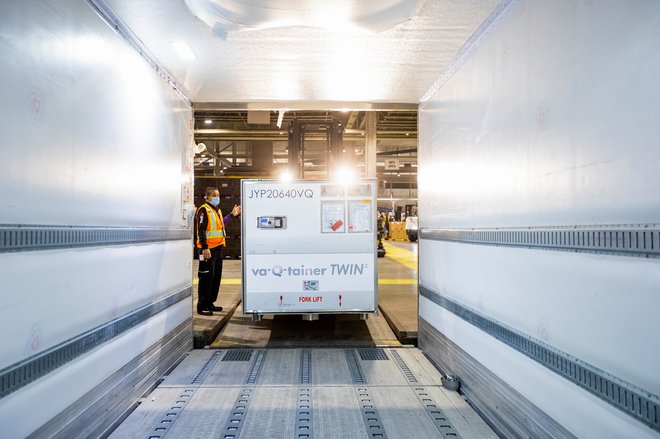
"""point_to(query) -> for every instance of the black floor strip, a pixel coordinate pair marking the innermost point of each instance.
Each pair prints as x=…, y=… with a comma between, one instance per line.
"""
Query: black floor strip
x=165, y=423
x=256, y=368
x=238, y=413
x=438, y=417
x=410, y=376
x=354, y=367
x=370, y=416
x=304, y=425
x=236, y=419
x=372, y=421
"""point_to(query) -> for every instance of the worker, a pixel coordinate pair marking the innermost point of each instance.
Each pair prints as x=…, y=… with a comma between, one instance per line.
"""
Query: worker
x=210, y=239
x=380, y=228
x=386, y=232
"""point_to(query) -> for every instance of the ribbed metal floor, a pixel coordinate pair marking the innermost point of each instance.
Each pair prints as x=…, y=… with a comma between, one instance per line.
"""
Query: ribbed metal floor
x=304, y=394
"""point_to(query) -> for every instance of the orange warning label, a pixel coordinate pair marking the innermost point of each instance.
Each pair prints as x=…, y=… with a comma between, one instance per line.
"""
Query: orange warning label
x=310, y=299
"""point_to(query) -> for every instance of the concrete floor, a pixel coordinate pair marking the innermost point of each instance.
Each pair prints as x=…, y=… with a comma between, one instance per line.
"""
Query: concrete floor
x=397, y=322
x=293, y=331
x=206, y=328
x=397, y=289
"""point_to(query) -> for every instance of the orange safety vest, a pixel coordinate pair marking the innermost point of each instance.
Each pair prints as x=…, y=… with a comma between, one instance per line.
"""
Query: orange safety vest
x=215, y=229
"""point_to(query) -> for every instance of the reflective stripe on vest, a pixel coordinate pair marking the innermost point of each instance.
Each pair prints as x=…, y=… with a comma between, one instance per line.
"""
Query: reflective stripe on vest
x=215, y=229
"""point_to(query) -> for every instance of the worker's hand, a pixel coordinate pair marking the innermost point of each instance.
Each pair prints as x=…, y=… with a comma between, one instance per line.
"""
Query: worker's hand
x=207, y=254
x=236, y=210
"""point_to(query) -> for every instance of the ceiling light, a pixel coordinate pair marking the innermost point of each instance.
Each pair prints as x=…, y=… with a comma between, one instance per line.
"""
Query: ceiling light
x=208, y=121
x=407, y=134
x=343, y=150
x=280, y=118
x=286, y=176
x=224, y=16
x=356, y=150
x=344, y=175
x=183, y=50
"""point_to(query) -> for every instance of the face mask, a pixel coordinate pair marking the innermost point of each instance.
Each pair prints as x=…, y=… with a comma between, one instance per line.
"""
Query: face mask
x=215, y=201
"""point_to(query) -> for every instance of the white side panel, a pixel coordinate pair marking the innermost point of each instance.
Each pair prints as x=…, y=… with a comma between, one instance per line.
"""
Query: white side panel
x=583, y=312
x=580, y=412
x=90, y=135
x=552, y=121
x=80, y=289
x=47, y=397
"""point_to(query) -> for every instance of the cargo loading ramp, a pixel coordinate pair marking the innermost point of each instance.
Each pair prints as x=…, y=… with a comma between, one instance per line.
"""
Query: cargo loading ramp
x=304, y=393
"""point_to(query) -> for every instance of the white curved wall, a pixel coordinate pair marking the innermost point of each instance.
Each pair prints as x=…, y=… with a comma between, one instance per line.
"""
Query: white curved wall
x=90, y=135
x=553, y=121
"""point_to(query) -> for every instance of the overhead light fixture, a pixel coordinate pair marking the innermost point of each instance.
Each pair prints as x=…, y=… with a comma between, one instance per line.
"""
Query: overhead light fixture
x=286, y=176
x=344, y=175
x=183, y=50
x=208, y=121
x=224, y=16
x=280, y=118
x=407, y=134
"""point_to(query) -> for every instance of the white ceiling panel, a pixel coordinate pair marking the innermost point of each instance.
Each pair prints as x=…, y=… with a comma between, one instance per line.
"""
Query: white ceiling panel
x=302, y=63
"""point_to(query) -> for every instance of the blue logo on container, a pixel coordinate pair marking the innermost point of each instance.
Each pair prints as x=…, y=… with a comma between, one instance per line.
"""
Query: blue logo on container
x=310, y=285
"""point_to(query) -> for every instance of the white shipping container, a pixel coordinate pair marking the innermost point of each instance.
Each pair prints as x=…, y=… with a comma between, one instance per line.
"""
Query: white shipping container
x=309, y=247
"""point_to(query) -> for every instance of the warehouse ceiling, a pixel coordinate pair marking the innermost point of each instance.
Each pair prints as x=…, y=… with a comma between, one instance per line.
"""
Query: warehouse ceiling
x=322, y=52
x=229, y=136
x=220, y=124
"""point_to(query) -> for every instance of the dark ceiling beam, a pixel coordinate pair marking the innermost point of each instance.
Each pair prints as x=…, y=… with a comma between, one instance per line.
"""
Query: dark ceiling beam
x=397, y=152
x=304, y=106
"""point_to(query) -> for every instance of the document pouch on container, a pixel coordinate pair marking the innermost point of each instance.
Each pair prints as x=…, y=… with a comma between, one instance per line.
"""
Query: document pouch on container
x=271, y=222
